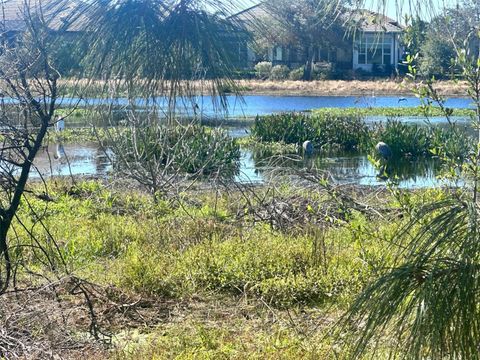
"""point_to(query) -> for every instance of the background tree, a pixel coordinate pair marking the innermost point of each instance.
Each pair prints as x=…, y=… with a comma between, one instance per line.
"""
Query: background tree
x=306, y=25
x=415, y=36
x=447, y=32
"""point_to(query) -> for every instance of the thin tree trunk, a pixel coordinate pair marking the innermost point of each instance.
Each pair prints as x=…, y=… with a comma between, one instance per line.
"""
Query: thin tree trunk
x=307, y=72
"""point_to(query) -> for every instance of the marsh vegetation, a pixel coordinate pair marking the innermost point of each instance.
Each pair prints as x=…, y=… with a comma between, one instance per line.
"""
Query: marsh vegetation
x=168, y=255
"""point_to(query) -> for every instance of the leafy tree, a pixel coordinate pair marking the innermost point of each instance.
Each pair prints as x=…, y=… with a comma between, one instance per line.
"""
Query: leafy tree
x=454, y=29
x=415, y=35
x=306, y=25
x=437, y=54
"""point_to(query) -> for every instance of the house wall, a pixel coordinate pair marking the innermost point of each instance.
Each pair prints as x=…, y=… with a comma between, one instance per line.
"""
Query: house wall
x=391, y=38
x=343, y=58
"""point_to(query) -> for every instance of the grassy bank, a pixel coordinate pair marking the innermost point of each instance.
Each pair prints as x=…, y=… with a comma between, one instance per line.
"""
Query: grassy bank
x=380, y=87
x=214, y=275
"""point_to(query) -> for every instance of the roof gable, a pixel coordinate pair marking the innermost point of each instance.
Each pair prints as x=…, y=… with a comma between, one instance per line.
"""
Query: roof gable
x=363, y=20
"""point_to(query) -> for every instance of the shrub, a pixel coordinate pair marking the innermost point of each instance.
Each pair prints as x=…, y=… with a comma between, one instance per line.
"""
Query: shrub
x=191, y=149
x=323, y=72
x=263, y=70
x=296, y=74
x=279, y=72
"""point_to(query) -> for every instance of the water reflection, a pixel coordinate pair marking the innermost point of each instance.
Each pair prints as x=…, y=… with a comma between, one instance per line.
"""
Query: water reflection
x=71, y=159
x=356, y=169
x=89, y=159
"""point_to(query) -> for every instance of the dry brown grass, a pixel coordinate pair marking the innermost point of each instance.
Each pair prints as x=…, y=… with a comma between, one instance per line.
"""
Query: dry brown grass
x=345, y=88
x=290, y=87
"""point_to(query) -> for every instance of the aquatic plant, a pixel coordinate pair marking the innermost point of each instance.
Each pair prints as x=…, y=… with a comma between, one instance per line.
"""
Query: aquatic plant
x=403, y=139
x=340, y=132
x=190, y=149
x=290, y=128
x=324, y=130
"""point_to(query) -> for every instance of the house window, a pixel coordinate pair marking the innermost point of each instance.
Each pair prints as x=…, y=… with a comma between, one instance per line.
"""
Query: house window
x=374, y=49
x=327, y=55
x=278, y=53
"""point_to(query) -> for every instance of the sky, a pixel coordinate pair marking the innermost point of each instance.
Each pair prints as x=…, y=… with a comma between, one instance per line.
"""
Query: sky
x=397, y=9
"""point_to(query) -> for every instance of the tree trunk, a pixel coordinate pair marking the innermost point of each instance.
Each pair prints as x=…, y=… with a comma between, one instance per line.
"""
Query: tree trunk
x=4, y=278
x=308, y=69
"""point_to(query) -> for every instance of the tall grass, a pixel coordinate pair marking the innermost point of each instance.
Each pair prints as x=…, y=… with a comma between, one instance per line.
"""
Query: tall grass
x=324, y=130
x=346, y=130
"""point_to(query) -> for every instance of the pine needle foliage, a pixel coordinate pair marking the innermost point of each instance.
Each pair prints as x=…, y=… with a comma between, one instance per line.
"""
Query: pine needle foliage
x=426, y=305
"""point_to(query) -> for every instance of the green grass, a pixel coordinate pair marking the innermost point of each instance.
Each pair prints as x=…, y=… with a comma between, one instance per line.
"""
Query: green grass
x=237, y=288
x=160, y=250
x=393, y=111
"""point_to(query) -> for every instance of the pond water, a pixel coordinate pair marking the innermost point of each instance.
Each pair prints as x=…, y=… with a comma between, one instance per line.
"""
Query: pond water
x=88, y=159
x=263, y=105
x=71, y=159
x=252, y=105
x=351, y=169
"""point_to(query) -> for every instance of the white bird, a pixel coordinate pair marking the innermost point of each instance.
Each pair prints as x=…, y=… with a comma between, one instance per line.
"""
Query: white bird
x=60, y=151
x=60, y=124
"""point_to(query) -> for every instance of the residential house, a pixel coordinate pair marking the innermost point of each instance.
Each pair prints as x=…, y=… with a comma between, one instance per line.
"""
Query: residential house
x=372, y=43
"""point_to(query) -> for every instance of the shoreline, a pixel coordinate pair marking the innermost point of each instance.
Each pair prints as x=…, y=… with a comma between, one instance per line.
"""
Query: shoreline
x=357, y=88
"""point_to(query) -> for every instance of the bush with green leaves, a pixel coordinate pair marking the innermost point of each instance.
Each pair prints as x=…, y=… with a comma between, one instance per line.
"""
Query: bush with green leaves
x=263, y=70
x=296, y=74
x=279, y=72
x=191, y=149
x=323, y=72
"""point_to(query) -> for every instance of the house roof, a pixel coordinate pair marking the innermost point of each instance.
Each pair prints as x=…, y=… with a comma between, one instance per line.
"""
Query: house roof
x=370, y=21
x=254, y=12
x=364, y=20
x=55, y=13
